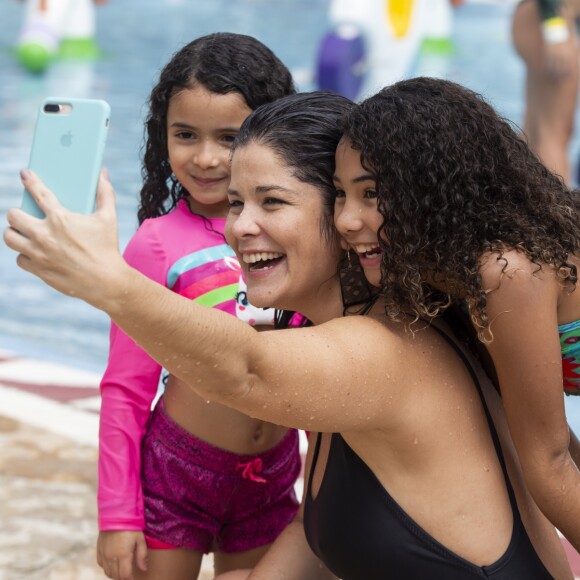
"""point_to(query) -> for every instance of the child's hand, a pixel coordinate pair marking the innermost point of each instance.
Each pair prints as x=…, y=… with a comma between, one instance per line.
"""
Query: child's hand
x=116, y=551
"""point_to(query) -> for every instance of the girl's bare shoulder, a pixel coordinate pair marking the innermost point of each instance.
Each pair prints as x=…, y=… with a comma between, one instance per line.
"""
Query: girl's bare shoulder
x=512, y=265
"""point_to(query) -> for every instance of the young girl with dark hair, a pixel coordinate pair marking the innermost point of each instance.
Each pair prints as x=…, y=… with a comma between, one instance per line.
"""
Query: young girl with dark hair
x=191, y=476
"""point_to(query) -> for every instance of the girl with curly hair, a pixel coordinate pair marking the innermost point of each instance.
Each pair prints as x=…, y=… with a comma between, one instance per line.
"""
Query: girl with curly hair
x=456, y=209
x=164, y=474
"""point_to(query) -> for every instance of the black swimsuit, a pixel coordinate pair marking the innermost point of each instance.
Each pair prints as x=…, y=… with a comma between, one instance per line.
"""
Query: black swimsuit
x=360, y=533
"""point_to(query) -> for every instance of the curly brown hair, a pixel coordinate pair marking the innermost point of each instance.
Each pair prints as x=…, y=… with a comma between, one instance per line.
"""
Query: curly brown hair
x=222, y=63
x=455, y=181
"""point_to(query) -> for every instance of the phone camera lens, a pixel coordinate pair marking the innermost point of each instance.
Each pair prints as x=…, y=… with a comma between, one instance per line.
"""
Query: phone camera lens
x=51, y=108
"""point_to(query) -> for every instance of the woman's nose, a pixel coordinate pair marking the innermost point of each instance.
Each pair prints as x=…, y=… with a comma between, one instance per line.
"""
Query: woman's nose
x=244, y=223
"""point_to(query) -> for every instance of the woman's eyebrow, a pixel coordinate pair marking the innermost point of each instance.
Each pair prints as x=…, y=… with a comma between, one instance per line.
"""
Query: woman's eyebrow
x=262, y=189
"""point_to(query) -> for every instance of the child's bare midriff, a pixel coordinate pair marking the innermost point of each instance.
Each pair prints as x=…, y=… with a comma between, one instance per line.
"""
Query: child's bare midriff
x=238, y=434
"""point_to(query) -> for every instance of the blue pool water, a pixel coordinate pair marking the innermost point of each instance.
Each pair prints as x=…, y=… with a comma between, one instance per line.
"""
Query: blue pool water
x=138, y=37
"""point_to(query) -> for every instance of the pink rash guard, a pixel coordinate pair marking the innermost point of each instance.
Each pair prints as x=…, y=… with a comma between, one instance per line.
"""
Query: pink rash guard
x=180, y=251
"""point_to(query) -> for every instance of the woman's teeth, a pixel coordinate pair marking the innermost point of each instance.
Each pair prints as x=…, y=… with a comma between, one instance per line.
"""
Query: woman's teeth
x=262, y=260
x=261, y=256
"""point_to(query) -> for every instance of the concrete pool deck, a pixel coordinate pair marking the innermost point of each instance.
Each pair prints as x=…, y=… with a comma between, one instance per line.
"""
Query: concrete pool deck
x=48, y=473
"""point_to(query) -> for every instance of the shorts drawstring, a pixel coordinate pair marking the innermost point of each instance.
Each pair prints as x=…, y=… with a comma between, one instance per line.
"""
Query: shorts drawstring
x=250, y=468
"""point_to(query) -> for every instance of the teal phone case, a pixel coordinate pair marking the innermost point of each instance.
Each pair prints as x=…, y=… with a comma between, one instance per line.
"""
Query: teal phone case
x=67, y=152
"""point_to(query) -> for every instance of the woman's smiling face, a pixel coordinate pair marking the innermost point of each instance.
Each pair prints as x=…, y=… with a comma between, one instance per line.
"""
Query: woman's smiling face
x=356, y=215
x=275, y=227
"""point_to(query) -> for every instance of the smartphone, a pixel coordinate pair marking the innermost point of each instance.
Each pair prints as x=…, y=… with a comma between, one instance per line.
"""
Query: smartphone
x=67, y=151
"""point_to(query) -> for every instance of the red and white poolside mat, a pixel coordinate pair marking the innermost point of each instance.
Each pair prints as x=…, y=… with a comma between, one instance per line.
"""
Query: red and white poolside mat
x=51, y=396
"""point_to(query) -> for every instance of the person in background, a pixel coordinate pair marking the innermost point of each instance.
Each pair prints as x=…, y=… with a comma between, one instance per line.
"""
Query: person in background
x=545, y=36
x=164, y=477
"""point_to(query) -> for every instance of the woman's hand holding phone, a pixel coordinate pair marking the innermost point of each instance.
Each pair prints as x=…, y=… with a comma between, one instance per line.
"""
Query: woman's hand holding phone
x=67, y=151
x=76, y=254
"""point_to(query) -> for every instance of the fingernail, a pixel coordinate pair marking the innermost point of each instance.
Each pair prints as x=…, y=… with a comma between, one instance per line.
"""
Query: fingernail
x=106, y=174
x=24, y=174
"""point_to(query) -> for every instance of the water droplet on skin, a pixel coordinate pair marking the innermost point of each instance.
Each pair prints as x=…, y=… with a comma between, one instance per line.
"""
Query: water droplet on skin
x=485, y=468
x=208, y=402
x=415, y=441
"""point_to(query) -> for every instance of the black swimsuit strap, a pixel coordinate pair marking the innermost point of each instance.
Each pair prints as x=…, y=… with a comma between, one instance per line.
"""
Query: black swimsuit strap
x=490, y=423
x=369, y=305
x=365, y=310
x=314, y=461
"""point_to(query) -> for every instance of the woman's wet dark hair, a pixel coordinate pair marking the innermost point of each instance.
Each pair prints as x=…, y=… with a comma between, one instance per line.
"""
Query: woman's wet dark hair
x=303, y=131
x=455, y=180
x=221, y=63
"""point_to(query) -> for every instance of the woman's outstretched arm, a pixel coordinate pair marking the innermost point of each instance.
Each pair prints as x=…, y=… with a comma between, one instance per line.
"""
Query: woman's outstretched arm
x=302, y=378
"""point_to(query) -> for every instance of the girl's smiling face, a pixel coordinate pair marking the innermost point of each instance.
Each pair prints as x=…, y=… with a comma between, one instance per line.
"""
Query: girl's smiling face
x=201, y=127
x=275, y=227
x=356, y=215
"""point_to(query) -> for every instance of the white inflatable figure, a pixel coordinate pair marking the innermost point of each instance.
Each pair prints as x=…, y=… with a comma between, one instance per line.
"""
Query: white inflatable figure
x=437, y=43
x=51, y=28
x=391, y=34
x=438, y=20
x=374, y=43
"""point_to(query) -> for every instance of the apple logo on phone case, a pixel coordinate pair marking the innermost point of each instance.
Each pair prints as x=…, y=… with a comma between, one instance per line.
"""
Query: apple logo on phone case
x=66, y=139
